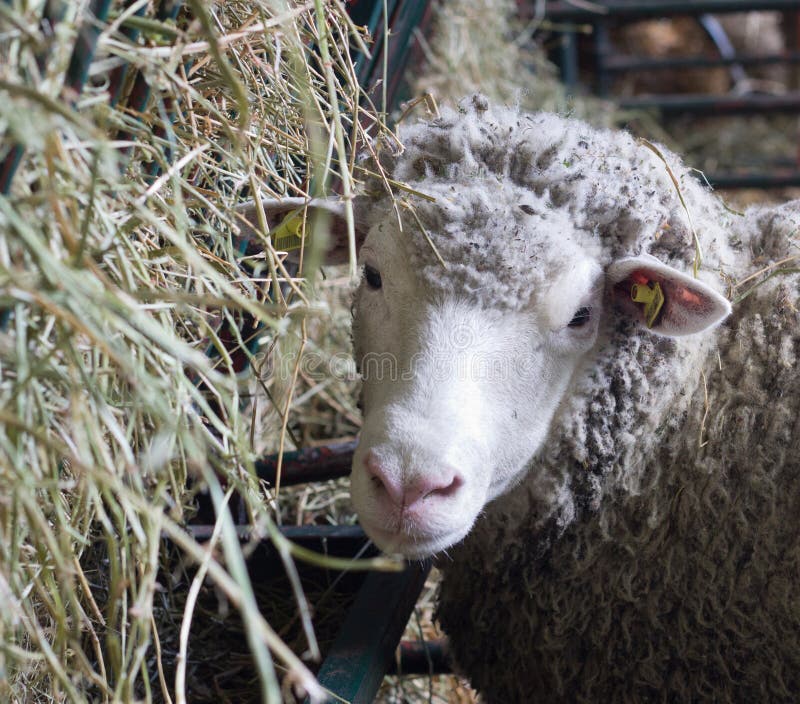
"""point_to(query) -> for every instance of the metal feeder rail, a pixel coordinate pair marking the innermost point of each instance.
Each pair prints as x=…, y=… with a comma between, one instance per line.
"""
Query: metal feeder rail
x=608, y=63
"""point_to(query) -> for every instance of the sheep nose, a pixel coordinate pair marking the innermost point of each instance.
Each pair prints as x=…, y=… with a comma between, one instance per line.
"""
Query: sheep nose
x=410, y=494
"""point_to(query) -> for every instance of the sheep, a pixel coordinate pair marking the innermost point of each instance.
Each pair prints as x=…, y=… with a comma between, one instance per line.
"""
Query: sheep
x=676, y=578
x=561, y=403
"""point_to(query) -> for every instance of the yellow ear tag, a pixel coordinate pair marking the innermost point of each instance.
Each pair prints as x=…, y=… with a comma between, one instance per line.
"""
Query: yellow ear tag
x=288, y=235
x=653, y=299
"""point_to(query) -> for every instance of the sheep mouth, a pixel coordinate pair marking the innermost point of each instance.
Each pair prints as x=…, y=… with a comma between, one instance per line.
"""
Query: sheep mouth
x=414, y=544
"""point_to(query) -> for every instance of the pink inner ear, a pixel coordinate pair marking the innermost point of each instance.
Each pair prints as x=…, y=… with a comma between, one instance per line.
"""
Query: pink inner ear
x=688, y=298
x=689, y=306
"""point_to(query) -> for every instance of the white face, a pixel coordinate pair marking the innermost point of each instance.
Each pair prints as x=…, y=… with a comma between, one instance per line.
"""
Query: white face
x=457, y=398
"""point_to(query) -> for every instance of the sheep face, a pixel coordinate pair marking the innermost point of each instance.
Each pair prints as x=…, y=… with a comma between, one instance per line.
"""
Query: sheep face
x=459, y=387
x=458, y=395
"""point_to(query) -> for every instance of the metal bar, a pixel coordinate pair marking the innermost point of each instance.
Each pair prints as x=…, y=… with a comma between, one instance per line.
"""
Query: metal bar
x=617, y=63
x=140, y=91
x=791, y=29
x=565, y=11
x=569, y=59
x=603, y=51
x=718, y=106
x=75, y=78
x=303, y=535
x=408, y=18
x=9, y=167
x=367, y=68
x=117, y=77
x=716, y=32
x=85, y=44
x=313, y=464
x=774, y=179
x=427, y=657
x=77, y=69
x=52, y=14
x=362, y=652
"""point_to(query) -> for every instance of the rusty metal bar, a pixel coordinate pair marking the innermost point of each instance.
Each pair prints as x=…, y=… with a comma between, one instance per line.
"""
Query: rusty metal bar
x=313, y=464
x=719, y=106
x=427, y=657
x=118, y=75
x=363, y=651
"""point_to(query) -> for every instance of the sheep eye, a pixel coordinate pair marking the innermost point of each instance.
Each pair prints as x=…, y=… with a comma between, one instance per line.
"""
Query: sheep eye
x=373, y=277
x=581, y=317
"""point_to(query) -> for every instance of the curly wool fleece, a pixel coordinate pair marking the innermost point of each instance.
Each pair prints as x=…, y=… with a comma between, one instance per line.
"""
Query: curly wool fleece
x=495, y=174
x=652, y=554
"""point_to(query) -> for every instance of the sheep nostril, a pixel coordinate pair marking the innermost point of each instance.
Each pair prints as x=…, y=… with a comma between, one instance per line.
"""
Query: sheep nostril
x=448, y=489
x=444, y=484
x=406, y=493
x=385, y=483
x=378, y=483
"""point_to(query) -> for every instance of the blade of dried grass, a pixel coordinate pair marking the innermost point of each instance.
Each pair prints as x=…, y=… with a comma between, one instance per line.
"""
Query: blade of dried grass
x=191, y=599
x=338, y=132
x=698, y=255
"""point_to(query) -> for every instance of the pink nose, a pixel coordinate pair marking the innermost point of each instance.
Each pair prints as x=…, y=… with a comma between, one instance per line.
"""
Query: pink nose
x=409, y=494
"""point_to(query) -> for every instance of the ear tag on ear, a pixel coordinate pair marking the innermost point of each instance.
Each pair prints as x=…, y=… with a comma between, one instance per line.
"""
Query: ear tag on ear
x=288, y=235
x=652, y=297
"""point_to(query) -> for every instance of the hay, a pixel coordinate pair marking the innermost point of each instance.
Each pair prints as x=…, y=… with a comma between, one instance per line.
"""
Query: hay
x=481, y=45
x=118, y=263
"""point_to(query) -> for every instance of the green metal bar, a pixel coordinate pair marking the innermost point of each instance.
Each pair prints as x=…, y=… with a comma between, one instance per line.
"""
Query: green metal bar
x=52, y=14
x=77, y=70
x=617, y=63
x=76, y=75
x=569, y=59
x=776, y=178
x=140, y=92
x=85, y=45
x=408, y=17
x=362, y=653
x=116, y=81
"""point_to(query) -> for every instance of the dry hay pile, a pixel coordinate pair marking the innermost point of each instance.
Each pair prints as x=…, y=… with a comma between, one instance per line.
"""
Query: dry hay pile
x=119, y=263
x=482, y=45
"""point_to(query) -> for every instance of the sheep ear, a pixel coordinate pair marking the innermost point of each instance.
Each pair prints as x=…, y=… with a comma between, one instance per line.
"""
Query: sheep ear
x=665, y=300
x=284, y=220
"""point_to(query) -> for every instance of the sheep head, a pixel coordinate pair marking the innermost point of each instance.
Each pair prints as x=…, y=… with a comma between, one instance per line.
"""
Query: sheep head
x=485, y=299
x=460, y=387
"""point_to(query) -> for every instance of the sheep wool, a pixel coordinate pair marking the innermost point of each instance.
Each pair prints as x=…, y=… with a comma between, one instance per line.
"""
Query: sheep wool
x=653, y=551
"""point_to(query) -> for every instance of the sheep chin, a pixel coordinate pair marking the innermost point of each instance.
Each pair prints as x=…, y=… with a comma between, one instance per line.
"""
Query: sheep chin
x=415, y=546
